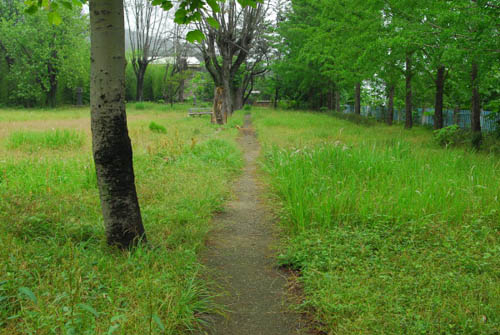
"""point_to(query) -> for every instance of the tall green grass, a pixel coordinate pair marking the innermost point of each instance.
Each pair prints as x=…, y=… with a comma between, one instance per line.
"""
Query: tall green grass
x=56, y=273
x=51, y=139
x=392, y=235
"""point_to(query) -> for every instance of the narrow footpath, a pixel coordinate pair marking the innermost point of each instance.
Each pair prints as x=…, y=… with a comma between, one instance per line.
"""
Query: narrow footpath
x=253, y=290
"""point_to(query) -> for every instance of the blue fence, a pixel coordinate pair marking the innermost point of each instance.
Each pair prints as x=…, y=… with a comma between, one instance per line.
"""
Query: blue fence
x=489, y=121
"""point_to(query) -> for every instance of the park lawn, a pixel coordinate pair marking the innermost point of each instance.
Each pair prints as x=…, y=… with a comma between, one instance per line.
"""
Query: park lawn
x=391, y=234
x=56, y=273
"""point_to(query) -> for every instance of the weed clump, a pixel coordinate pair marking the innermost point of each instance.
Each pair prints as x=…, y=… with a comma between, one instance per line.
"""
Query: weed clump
x=157, y=128
x=449, y=136
x=140, y=106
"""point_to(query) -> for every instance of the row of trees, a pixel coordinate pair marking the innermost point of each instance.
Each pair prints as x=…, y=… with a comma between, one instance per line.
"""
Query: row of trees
x=404, y=52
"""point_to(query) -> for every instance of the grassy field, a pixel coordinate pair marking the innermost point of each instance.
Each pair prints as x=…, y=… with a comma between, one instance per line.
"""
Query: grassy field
x=391, y=233
x=57, y=276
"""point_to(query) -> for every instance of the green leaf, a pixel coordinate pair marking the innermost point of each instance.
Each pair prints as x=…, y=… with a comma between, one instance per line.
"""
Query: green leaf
x=67, y=4
x=213, y=22
x=89, y=309
x=157, y=320
x=214, y=5
x=31, y=9
x=28, y=293
x=195, y=35
x=180, y=16
x=54, y=18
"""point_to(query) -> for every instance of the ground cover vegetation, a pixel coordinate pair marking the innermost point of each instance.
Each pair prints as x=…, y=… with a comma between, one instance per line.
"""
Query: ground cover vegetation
x=56, y=273
x=391, y=233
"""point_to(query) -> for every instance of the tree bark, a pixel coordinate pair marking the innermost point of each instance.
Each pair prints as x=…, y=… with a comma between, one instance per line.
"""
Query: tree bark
x=238, y=98
x=408, y=99
x=140, y=74
x=276, y=97
x=218, y=109
x=438, y=106
x=476, y=108
x=337, y=100
x=357, y=102
x=456, y=115
x=111, y=145
x=390, y=105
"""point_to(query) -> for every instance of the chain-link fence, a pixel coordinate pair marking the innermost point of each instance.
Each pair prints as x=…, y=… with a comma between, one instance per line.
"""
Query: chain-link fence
x=489, y=121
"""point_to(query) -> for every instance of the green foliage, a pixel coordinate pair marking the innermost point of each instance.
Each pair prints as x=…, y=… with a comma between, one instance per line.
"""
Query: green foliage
x=33, y=141
x=247, y=107
x=140, y=106
x=46, y=61
x=391, y=234
x=449, y=136
x=157, y=128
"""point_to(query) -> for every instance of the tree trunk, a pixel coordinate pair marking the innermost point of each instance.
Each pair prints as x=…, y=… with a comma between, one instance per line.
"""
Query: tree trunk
x=408, y=99
x=181, y=90
x=140, y=74
x=456, y=115
x=476, y=108
x=357, y=102
x=390, y=105
x=438, y=107
x=238, y=98
x=337, y=100
x=276, y=97
x=218, y=109
x=111, y=145
x=52, y=71
x=331, y=98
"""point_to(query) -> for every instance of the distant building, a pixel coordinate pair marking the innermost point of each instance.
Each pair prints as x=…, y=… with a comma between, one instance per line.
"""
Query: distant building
x=192, y=62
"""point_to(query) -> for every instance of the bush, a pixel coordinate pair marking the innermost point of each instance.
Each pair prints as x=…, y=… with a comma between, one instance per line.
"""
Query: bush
x=157, y=128
x=449, y=136
x=247, y=107
x=140, y=106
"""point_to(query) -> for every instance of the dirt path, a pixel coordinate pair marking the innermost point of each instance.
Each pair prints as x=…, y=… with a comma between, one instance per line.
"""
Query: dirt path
x=239, y=252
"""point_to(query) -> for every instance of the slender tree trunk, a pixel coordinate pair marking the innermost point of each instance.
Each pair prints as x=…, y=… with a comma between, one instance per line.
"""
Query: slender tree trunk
x=390, y=105
x=357, y=102
x=476, y=108
x=276, y=97
x=456, y=115
x=331, y=98
x=112, y=149
x=181, y=90
x=140, y=75
x=337, y=100
x=408, y=100
x=52, y=71
x=438, y=106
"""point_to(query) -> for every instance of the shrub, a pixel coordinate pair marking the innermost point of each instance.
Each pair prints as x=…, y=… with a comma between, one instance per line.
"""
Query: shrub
x=247, y=107
x=323, y=109
x=157, y=128
x=449, y=136
x=140, y=106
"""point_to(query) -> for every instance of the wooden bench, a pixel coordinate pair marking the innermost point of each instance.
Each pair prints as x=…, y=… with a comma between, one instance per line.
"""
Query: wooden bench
x=199, y=111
